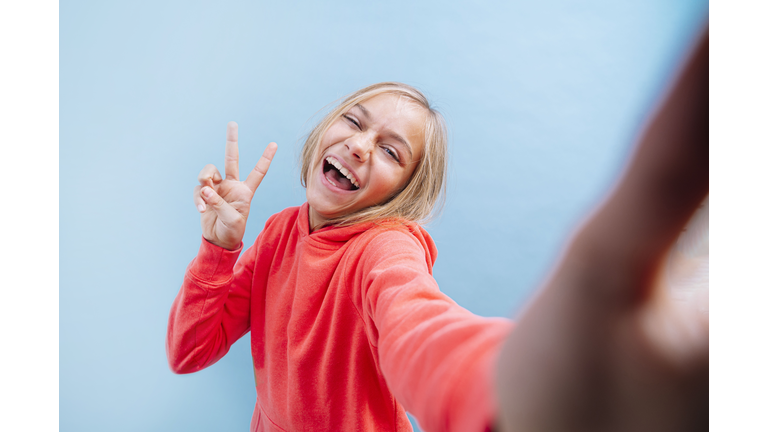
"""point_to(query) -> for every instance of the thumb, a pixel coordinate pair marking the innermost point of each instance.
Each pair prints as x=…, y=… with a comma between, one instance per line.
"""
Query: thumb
x=218, y=204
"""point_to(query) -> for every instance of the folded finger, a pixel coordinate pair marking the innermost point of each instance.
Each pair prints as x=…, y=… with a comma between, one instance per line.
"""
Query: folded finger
x=197, y=199
x=209, y=176
x=262, y=166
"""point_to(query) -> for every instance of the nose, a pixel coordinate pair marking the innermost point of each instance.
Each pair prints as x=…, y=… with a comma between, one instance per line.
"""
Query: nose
x=361, y=146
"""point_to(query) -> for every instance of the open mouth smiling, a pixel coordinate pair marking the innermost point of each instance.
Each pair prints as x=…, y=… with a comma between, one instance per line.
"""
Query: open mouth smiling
x=339, y=176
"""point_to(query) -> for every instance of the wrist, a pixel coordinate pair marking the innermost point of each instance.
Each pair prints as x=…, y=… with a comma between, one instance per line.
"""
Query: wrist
x=227, y=246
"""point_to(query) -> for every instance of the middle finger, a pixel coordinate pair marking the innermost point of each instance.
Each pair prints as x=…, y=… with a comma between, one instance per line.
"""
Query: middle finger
x=231, y=154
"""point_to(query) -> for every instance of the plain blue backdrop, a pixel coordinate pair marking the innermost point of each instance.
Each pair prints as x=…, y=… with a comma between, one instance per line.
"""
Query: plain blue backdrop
x=543, y=100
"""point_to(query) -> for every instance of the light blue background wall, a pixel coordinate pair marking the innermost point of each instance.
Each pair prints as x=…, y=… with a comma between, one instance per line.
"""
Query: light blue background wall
x=542, y=98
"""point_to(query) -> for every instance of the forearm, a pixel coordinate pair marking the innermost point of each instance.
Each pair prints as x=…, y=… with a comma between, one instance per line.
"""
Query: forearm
x=442, y=370
x=211, y=310
x=437, y=357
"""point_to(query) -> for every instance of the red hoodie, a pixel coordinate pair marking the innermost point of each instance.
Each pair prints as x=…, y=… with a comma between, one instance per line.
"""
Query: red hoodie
x=348, y=329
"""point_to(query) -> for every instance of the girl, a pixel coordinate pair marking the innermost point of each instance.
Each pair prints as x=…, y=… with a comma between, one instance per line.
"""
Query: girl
x=348, y=327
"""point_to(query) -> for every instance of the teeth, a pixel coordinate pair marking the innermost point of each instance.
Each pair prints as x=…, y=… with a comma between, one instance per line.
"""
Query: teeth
x=345, y=172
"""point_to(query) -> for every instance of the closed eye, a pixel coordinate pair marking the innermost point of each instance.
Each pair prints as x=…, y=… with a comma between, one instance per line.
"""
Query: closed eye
x=352, y=120
x=391, y=153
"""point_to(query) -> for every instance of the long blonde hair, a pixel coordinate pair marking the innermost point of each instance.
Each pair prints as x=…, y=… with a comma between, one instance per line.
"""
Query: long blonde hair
x=423, y=197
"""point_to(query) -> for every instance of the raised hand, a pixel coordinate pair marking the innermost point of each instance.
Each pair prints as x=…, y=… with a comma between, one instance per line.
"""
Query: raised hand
x=602, y=348
x=224, y=203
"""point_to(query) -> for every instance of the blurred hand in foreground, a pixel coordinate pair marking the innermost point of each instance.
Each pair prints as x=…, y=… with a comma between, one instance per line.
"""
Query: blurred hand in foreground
x=602, y=348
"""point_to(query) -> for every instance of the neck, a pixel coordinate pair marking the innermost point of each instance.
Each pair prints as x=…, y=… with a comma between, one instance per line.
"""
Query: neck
x=315, y=220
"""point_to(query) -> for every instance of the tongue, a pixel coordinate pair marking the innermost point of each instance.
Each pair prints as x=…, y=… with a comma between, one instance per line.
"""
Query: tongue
x=341, y=181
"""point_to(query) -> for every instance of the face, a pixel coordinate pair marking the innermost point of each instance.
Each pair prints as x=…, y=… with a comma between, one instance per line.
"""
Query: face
x=365, y=157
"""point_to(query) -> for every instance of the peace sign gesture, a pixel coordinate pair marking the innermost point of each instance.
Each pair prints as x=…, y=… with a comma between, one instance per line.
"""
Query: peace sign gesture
x=224, y=203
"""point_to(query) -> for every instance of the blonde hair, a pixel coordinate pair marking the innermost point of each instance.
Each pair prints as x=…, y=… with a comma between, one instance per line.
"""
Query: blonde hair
x=423, y=197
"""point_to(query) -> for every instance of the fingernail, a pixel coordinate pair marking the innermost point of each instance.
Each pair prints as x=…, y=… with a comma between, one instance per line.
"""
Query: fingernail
x=208, y=192
x=201, y=207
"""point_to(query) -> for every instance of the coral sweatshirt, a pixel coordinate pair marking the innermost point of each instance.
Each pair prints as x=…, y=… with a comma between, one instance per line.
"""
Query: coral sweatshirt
x=348, y=329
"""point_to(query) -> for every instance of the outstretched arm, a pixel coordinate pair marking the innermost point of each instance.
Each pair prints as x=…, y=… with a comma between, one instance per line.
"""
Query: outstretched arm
x=600, y=348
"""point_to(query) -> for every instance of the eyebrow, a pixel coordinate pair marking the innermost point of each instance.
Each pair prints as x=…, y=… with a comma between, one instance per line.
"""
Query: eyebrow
x=390, y=133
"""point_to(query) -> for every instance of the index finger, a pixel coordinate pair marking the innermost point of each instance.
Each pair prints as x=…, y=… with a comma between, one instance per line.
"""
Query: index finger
x=260, y=170
x=231, y=170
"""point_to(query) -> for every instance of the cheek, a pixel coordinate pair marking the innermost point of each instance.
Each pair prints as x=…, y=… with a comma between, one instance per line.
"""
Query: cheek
x=409, y=175
x=336, y=133
x=392, y=182
x=404, y=176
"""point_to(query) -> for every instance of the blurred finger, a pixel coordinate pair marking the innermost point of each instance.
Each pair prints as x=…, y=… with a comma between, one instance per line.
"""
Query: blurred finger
x=667, y=178
x=231, y=170
x=262, y=166
x=209, y=176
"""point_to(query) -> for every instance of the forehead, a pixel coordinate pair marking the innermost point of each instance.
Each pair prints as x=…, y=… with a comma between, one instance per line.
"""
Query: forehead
x=392, y=106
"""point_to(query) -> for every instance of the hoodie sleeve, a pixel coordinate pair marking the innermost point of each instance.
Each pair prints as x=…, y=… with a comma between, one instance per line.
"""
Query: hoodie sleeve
x=437, y=357
x=212, y=309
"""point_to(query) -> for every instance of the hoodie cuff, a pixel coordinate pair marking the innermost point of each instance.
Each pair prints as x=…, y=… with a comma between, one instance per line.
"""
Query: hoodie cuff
x=214, y=264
